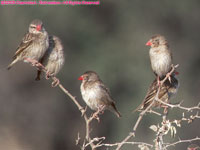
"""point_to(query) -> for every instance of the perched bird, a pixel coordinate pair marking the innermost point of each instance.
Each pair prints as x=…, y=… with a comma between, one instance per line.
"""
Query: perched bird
x=193, y=147
x=95, y=94
x=53, y=60
x=167, y=90
x=33, y=45
x=160, y=56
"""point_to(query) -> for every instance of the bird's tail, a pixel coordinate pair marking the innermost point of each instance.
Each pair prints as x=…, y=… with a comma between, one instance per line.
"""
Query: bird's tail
x=38, y=75
x=12, y=63
x=114, y=109
x=139, y=108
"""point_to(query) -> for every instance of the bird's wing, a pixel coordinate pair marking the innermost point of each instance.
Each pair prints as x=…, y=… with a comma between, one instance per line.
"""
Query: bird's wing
x=105, y=93
x=104, y=88
x=170, y=53
x=26, y=42
x=39, y=71
x=107, y=99
x=151, y=94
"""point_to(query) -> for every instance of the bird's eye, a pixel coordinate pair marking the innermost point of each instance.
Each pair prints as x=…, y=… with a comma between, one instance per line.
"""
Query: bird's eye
x=157, y=41
x=33, y=27
x=87, y=78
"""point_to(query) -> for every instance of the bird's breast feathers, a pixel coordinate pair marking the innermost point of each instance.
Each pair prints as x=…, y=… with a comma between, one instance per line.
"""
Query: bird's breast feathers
x=91, y=93
x=161, y=62
x=91, y=96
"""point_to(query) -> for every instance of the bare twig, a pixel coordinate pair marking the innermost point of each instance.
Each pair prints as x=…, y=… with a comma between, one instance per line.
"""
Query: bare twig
x=197, y=107
x=181, y=141
x=154, y=112
x=97, y=139
x=129, y=143
x=72, y=98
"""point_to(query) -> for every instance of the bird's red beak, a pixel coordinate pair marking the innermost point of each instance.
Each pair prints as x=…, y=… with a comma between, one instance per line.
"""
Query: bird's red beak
x=148, y=43
x=80, y=78
x=38, y=27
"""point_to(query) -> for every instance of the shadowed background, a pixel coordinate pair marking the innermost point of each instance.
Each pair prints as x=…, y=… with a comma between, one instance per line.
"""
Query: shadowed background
x=109, y=39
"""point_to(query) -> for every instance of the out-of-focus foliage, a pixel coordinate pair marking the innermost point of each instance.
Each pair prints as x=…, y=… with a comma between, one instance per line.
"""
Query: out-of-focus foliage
x=109, y=39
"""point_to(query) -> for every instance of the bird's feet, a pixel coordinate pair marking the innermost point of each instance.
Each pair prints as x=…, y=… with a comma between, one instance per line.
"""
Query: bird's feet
x=48, y=75
x=96, y=116
x=100, y=111
x=55, y=82
x=83, y=111
x=34, y=63
x=168, y=75
x=158, y=81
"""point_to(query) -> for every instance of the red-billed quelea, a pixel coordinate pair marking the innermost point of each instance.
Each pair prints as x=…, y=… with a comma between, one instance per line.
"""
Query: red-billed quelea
x=167, y=90
x=193, y=147
x=95, y=94
x=34, y=44
x=53, y=60
x=160, y=56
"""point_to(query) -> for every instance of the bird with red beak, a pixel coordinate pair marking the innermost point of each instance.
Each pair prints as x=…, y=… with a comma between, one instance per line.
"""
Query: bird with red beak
x=95, y=94
x=33, y=46
x=160, y=56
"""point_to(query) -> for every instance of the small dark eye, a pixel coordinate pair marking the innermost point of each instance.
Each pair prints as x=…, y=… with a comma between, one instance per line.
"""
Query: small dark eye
x=33, y=27
x=87, y=77
x=157, y=41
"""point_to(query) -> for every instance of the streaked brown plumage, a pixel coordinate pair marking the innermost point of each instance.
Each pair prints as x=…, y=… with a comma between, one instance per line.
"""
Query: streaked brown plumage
x=95, y=93
x=160, y=55
x=33, y=45
x=53, y=60
x=167, y=90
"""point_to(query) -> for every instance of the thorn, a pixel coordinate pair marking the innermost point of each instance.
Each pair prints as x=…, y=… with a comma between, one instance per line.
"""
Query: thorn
x=78, y=139
x=83, y=111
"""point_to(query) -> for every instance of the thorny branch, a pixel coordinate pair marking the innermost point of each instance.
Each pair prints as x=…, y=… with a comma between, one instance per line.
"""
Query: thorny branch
x=98, y=141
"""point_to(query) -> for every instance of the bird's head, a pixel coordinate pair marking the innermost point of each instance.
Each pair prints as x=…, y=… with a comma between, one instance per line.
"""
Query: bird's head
x=156, y=41
x=89, y=76
x=36, y=26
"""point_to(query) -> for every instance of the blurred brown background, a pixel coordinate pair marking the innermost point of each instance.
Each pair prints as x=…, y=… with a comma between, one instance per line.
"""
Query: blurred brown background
x=109, y=39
